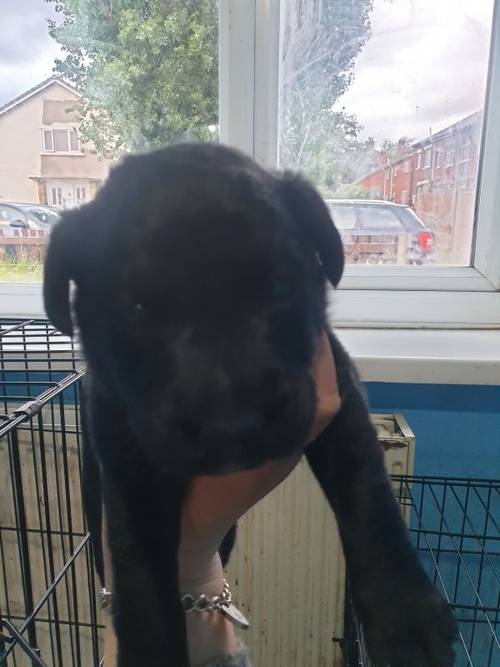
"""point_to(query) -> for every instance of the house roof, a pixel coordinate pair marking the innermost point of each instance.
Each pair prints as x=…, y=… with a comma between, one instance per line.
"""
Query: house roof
x=471, y=119
x=36, y=89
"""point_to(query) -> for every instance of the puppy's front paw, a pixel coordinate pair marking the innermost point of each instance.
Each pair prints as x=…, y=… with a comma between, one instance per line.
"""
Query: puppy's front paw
x=416, y=629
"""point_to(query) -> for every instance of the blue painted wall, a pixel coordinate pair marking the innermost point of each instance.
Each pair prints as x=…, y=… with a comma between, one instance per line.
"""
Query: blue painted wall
x=457, y=427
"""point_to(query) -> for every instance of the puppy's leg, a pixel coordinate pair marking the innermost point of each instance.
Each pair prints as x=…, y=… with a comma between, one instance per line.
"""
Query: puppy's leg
x=143, y=526
x=91, y=492
x=407, y=622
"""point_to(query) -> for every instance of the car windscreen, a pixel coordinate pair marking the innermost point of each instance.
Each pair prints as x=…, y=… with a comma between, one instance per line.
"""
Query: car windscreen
x=344, y=216
x=378, y=218
x=365, y=218
x=44, y=215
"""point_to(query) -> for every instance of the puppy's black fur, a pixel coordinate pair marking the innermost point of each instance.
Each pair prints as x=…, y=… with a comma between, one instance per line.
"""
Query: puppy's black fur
x=201, y=283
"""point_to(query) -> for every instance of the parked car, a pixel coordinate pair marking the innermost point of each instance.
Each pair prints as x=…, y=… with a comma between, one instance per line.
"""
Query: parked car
x=372, y=221
x=27, y=216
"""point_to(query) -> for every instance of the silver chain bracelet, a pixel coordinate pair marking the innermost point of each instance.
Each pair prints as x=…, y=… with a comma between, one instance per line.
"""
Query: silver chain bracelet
x=222, y=603
x=207, y=603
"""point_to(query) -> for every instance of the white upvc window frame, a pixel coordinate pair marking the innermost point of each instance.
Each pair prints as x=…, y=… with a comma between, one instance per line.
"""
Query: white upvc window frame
x=368, y=296
x=427, y=158
x=53, y=151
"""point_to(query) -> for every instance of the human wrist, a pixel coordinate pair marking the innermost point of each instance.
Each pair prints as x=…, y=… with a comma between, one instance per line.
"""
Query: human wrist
x=210, y=635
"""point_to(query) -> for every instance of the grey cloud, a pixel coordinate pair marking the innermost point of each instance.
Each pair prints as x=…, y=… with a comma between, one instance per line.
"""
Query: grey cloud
x=412, y=78
x=26, y=49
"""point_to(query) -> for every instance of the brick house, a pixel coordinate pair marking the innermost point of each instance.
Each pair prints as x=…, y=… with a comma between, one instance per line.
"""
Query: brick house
x=42, y=160
x=446, y=160
x=437, y=176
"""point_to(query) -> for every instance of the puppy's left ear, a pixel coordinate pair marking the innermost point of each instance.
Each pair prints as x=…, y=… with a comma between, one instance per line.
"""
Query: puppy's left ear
x=313, y=217
x=61, y=263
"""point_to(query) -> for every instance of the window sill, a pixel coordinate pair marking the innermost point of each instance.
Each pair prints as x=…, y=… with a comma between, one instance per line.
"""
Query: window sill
x=409, y=355
x=425, y=356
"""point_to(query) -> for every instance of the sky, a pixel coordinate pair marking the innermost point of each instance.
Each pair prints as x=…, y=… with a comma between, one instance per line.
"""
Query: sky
x=27, y=51
x=423, y=67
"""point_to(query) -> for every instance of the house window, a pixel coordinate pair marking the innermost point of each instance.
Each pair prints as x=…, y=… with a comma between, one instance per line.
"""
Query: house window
x=419, y=160
x=427, y=158
x=48, y=141
x=438, y=158
x=450, y=158
x=423, y=188
x=61, y=141
x=404, y=197
x=81, y=194
x=73, y=141
x=406, y=166
x=464, y=153
x=56, y=196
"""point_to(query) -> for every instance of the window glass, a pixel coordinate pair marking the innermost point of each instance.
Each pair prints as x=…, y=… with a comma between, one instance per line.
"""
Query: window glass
x=48, y=144
x=371, y=90
x=379, y=219
x=73, y=140
x=83, y=82
x=344, y=216
x=60, y=140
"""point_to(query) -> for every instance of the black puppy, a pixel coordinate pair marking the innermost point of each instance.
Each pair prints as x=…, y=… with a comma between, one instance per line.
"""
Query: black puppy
x=201, y=292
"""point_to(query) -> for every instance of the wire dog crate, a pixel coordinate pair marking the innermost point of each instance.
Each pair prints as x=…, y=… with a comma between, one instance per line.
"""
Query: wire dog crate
x=48, y=613
x=48, y=591
x=455, y=525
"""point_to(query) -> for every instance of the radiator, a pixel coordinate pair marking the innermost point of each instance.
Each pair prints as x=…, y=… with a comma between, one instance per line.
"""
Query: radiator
x=287, y=570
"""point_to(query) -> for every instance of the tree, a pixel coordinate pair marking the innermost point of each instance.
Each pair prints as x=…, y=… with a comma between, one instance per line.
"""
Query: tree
x=355, y=191
x=321, y=41
x=148, y=72
x=148, y=69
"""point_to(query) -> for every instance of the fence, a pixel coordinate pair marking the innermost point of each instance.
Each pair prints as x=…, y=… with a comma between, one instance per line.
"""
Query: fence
x=23, y=245
x=450, y=216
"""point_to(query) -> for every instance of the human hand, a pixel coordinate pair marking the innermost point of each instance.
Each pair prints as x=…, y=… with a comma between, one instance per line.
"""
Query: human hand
x=214, y=503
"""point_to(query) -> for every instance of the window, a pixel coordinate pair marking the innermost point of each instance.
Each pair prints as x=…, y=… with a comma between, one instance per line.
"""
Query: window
x=464, y=153
x=73, y=141
x=61, y=141
x=56, y=196
x=423, y=188
x=404, y=197
x=306, y=67
x=81, y=194
x=48, y=141
x=292, y=83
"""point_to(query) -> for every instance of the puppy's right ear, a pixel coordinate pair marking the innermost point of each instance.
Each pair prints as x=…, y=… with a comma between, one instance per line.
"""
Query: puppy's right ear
x=61, y=264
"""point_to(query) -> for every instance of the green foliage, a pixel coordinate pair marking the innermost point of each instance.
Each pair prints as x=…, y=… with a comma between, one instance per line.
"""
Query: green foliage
x=320, y=46
x=355, y=191
x=22, y=270
x=148, y=69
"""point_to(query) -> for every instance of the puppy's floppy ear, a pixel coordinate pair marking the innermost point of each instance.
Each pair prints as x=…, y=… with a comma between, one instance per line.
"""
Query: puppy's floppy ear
x=61, y=263
x=313, y=217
